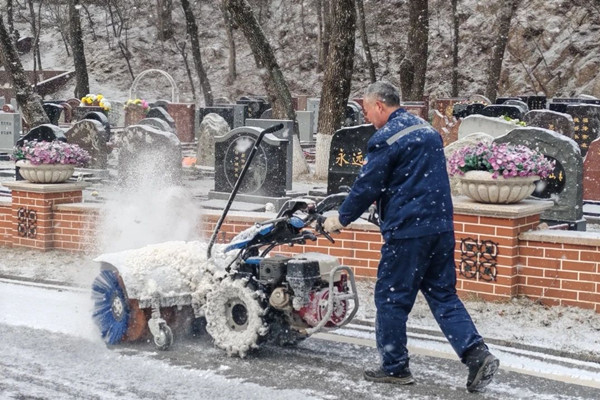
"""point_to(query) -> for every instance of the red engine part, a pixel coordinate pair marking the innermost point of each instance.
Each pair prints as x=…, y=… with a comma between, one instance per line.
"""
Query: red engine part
x=316, y=308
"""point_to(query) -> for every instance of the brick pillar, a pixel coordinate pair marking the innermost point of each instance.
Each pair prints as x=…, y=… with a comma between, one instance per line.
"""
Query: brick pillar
x=32, y=210
x=487, y=245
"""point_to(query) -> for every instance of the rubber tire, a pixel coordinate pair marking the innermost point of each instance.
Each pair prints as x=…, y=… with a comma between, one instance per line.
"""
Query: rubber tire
x=166, y=336
x=235, y=316
x=280, y=332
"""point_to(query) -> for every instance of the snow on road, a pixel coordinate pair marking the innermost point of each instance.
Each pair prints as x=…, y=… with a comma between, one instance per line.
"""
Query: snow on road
x=38, y=361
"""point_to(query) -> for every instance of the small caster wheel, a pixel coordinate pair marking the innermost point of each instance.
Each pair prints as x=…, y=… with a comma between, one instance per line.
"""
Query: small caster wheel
x=164, y=339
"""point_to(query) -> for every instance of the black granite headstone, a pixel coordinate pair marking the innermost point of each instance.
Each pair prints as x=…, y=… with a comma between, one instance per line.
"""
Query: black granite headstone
x=41, y=133
x=535, y=102
x=346, y=155
x=586, y=118
x=521, y=104
x=501, y=110
x=256, y=106
x=100, y=117
x=555, y=121
x=53, y=112
x=502, y=100
x=266, y=175
x=161, y=113
x=564, y=185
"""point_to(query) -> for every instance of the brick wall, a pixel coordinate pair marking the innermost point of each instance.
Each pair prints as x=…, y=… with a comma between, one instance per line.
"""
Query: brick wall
x=554, y=267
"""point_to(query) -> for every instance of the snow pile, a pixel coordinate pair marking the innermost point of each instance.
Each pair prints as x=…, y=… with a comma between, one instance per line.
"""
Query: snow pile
x=169, y=269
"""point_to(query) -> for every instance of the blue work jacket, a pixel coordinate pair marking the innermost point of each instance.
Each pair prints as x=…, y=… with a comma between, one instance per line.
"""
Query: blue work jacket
x=406, y=175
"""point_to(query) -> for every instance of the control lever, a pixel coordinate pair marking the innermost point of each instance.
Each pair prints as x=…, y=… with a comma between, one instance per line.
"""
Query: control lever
x=319, y=227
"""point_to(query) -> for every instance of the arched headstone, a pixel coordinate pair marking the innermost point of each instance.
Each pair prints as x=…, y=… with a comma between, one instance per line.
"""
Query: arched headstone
x=90, y=135
x=564, y=185
x=100, y=117
x=213, y=125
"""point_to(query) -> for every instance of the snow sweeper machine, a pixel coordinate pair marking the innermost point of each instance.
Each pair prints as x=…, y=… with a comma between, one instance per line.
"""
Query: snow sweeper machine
x=244, y=296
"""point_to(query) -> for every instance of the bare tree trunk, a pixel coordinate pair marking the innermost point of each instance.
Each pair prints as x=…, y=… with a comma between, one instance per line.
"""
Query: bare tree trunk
x=337, y=79
x=82, y=85
x=184, y=55
x=321, y=53
x=30, y=103
x=275, y=84
x=455, y=41
x=231, y=42
x=360, y=8
x=192, y=30
x=507, y=11
x=34, y=32
x=165, y=19
x=326, y=16
x=10, y=21
x=413, y=68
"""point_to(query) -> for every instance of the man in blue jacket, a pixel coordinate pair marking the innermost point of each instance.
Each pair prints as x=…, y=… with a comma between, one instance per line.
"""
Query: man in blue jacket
x=406, y=175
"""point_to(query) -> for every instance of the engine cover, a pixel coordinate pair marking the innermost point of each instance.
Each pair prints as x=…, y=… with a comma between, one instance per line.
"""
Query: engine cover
x=316, y=308
x=326, y=263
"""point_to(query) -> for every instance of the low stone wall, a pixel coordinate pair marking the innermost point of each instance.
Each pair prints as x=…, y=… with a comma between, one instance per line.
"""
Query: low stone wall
x=499, y=253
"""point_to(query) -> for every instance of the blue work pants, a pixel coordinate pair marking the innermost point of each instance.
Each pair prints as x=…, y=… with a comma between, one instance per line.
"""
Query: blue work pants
x=407, y=266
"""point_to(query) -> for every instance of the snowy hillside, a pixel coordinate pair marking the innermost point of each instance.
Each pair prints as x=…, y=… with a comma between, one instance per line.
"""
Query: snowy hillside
x=551, y=49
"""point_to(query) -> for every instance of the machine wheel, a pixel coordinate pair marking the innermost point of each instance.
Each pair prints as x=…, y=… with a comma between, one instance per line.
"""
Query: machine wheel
x=164, y=339
x=235, y=313
x=281, y=333
x=111, y=309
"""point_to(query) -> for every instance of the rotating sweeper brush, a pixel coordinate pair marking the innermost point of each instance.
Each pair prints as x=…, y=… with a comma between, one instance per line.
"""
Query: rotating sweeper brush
x=245, y=296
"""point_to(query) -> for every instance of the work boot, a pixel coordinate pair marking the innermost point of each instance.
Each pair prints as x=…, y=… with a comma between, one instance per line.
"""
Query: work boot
x=380, y=376
x=482, y=367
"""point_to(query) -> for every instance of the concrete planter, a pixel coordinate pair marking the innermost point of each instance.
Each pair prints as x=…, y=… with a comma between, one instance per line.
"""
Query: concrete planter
x=481, y=187
x=45, y=173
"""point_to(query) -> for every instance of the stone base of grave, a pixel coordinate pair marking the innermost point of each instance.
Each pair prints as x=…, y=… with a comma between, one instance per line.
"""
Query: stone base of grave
x=33, y=223
x=252, y=199
x=577, y=225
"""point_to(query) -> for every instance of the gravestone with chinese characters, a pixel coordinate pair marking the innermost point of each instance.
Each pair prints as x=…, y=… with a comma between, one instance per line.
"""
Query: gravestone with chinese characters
x=555, y=121
x=90, y=135
x=347, y=155
x=266, y=176
x=213, y=125
x=586, y=118
x=148, y=155
x=564, y=184
x=479, y=123
x=535, y=102
x=255, y=106
x=287, y=134
x=10, y=130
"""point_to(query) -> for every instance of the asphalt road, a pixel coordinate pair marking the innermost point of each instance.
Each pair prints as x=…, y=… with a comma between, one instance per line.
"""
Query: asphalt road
x=43, y=365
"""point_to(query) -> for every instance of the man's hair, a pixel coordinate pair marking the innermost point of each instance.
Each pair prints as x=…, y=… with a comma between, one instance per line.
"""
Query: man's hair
x=384, y=92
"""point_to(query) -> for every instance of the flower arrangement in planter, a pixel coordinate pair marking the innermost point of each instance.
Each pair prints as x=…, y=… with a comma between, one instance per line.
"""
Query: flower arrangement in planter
x=137, y=105
x=95, y=100
x=498, y=173
x=49, y=162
